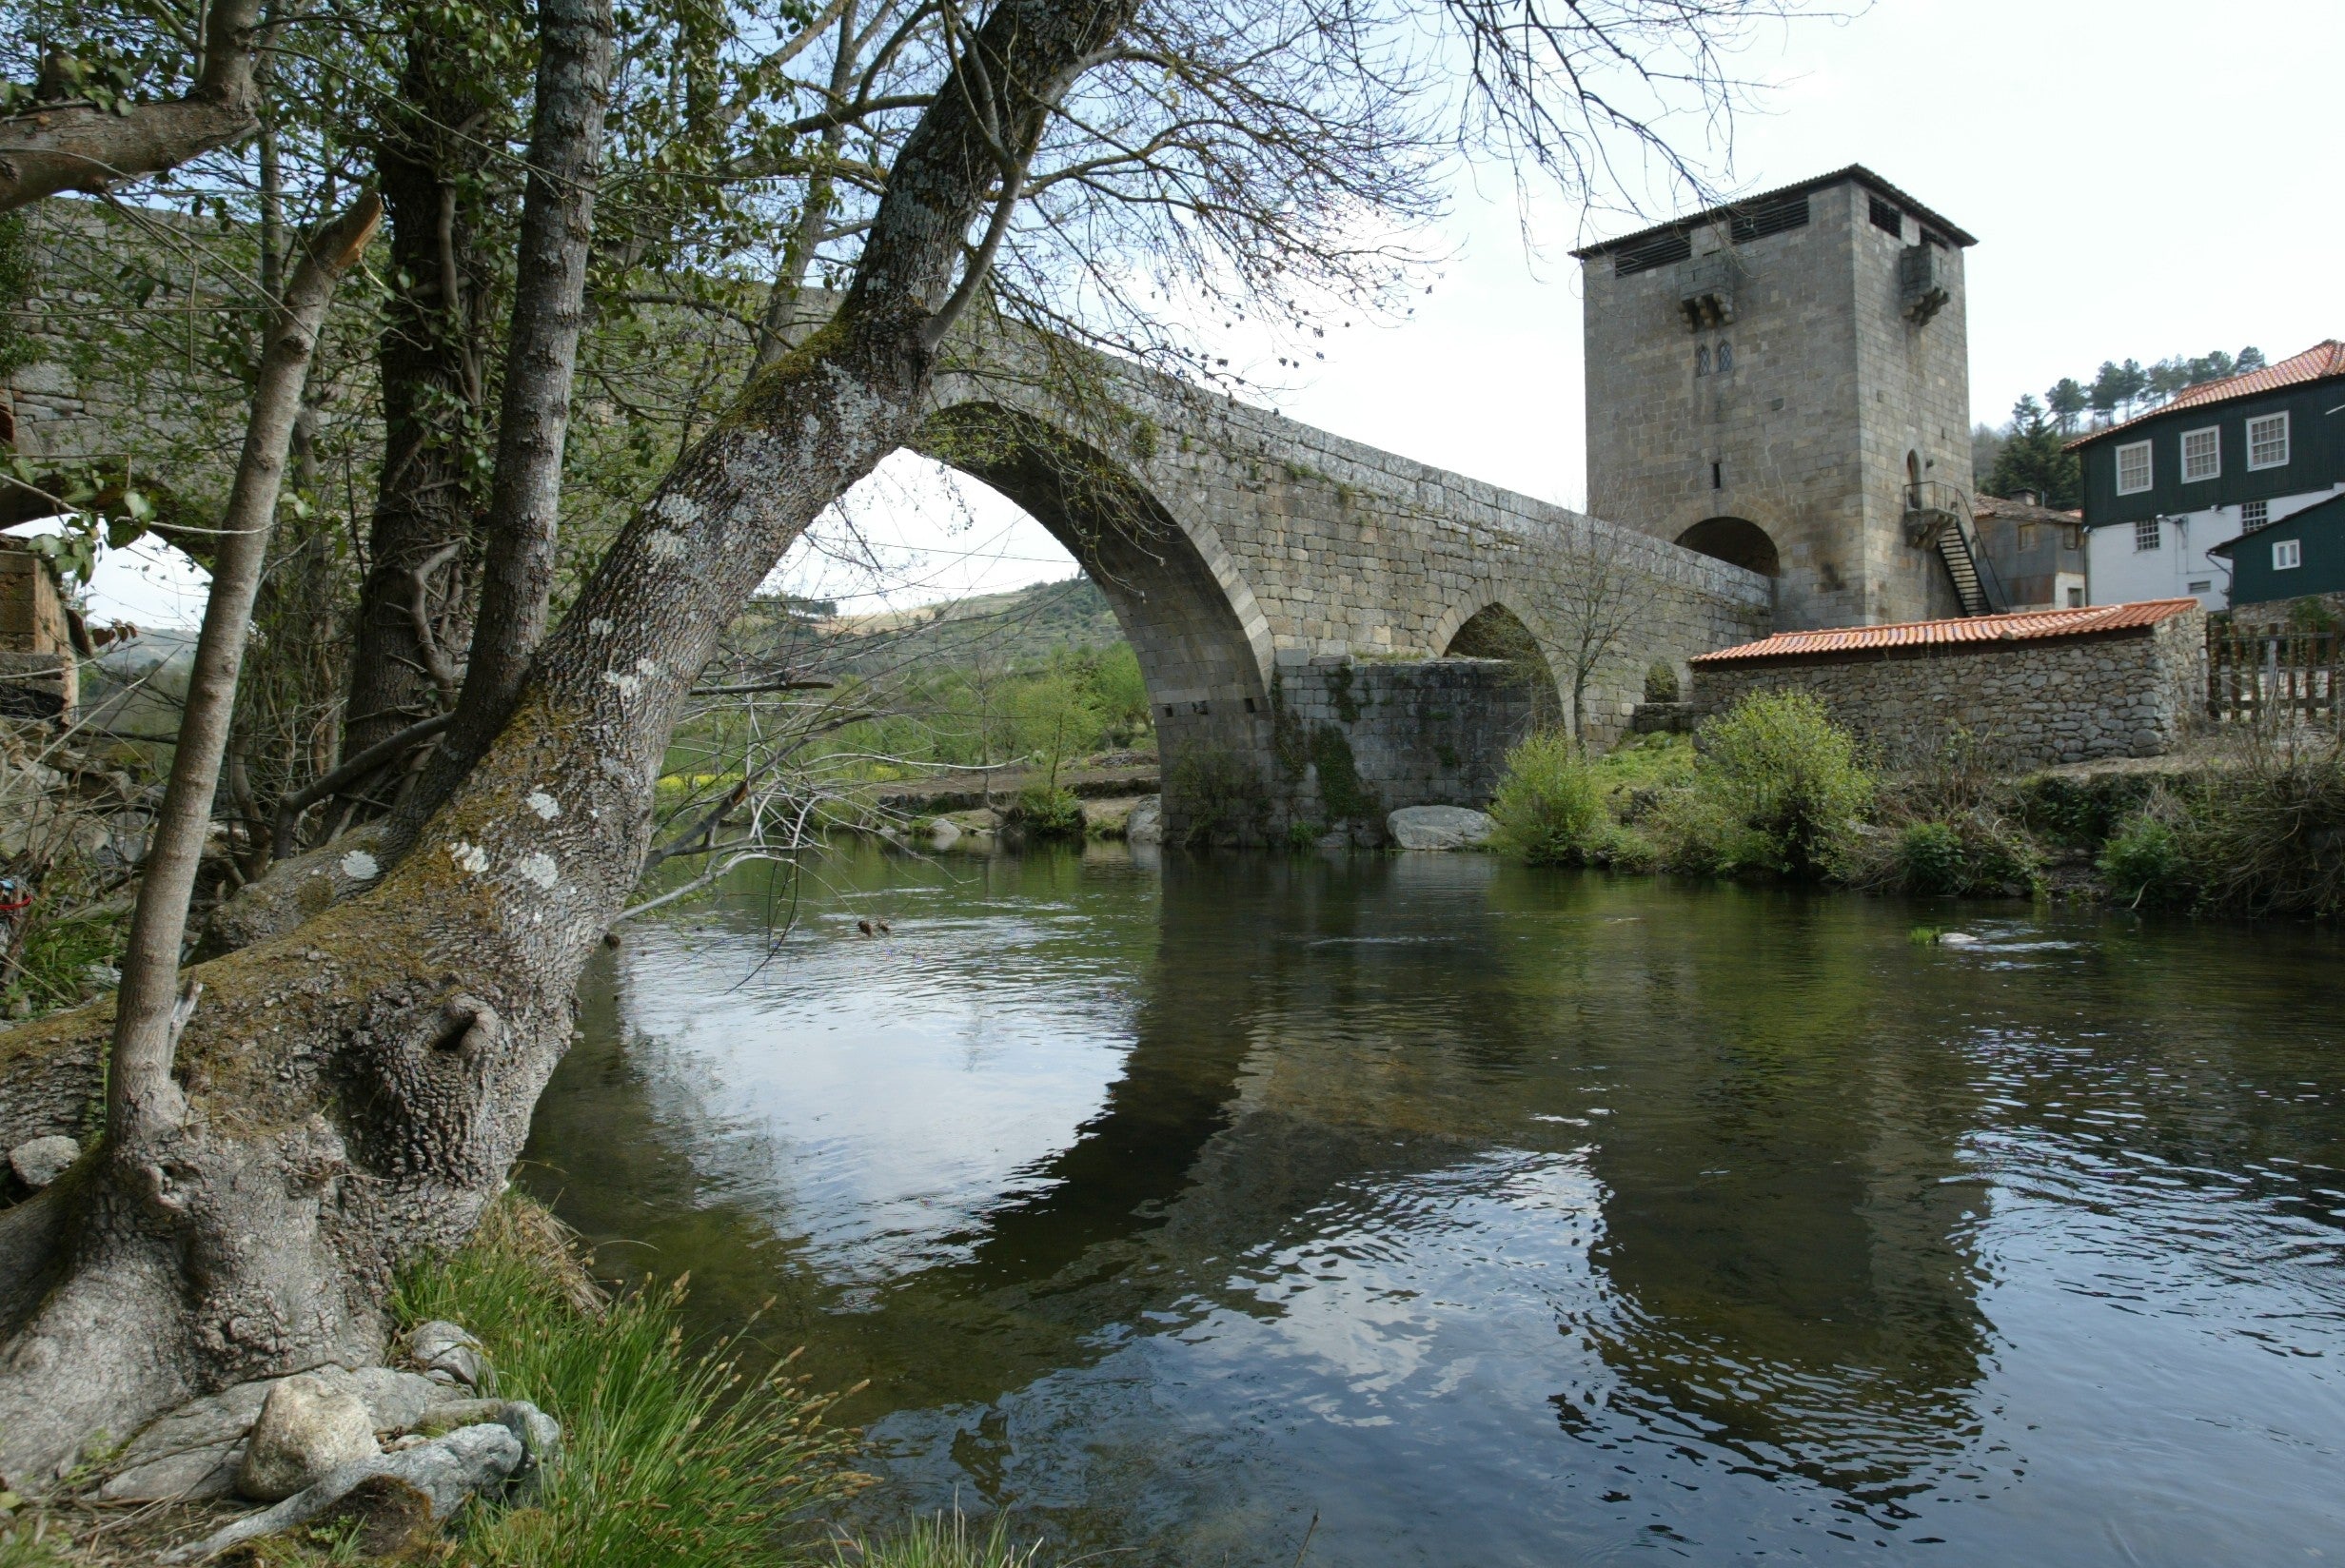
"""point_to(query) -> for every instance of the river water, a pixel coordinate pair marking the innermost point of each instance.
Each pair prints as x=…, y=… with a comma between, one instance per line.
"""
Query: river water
x=1494, y=1217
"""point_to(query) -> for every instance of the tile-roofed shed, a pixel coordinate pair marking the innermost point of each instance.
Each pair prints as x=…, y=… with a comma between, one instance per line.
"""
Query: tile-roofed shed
x=2034, y=688
x=1968, y=632
x=2321, y=361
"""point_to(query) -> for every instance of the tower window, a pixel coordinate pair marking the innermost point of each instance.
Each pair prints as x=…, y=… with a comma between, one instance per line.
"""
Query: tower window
x=2133, y=468
x=1657, y=251
x=1702, y=360
x=1726, y=356
x=2148, y=534
x=1885, y=216
x=1756, y=222
x=1717, y=476
x=2267, y=442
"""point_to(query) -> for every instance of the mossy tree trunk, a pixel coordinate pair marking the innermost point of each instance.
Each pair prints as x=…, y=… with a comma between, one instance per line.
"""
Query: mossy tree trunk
x=356, y=1092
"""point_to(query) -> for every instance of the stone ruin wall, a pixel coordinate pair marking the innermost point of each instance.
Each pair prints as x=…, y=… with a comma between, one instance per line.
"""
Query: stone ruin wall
x=1359, y=739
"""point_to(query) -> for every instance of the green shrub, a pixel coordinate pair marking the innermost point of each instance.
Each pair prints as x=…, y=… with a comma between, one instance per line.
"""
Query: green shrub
x=1776, y=788
x=1047, y=813
x=671, y=1460
x=1790, y=772
x=1699, y=830
x=1550, y=807
x=1930, y=858
x=1661, y=682
x=2143, y=862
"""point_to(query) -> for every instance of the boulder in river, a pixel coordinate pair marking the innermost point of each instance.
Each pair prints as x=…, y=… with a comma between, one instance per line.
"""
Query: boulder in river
x=1145, y=823
x=1439, y=826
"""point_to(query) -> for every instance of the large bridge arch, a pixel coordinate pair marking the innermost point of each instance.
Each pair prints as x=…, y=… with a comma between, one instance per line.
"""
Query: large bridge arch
x=1204, y=648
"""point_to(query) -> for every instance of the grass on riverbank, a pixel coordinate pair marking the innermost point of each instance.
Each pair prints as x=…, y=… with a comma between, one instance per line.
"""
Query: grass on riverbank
x=1775, y=789
x=672, y=1459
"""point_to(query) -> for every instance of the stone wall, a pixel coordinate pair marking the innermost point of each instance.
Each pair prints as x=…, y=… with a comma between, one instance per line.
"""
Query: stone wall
x=1359, y=739
x=2032, y=703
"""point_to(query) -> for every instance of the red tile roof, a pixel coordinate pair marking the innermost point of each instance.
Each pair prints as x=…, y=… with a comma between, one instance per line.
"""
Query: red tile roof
x=2027, y=626
x=2321, y=362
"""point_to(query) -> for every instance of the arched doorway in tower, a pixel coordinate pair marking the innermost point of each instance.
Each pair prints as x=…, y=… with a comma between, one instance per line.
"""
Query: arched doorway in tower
x=1737, y=541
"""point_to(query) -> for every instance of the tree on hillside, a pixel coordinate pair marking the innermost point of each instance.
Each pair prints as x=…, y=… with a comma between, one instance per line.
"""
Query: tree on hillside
x=2116, y=387
x=2032, y=459
x=2122, y=390
x=2067, y=401
x=336, y=1101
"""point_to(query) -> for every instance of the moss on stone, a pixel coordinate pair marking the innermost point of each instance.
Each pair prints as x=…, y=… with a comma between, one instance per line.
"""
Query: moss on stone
x=1341, y=790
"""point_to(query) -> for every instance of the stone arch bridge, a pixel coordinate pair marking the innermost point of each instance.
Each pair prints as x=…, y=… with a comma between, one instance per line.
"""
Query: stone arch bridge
x=1327, y=631
x=1308, y=611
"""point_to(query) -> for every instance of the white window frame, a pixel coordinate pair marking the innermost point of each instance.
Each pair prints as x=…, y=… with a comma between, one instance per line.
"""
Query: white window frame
x=2149, y=477
x=2149, y=534
x=2282, y=419
x=2287, y=555
x=2213, y=470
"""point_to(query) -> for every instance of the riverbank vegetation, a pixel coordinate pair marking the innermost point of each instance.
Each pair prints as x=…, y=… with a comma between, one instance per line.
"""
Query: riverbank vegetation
x=1774, y=790
x=673, y=1455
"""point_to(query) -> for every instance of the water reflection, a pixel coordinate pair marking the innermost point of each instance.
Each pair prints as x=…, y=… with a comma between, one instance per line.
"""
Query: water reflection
x=1500, y=1216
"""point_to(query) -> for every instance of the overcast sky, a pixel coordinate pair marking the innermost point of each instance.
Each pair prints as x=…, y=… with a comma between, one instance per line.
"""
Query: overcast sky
x=2145, y=177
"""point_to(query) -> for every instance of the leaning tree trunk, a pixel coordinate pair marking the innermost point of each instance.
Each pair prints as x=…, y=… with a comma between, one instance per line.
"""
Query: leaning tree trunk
x=355, y=1093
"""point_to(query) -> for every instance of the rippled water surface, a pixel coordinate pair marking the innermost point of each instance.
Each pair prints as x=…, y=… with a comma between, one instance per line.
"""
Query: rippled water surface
x=1500, y=1217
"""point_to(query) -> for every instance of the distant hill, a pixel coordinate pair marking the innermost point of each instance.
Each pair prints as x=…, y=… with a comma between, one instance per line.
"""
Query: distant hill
x=1020, y=629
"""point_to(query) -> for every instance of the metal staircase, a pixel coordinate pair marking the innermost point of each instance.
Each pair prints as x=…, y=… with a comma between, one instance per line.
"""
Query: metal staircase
x=1938, y=517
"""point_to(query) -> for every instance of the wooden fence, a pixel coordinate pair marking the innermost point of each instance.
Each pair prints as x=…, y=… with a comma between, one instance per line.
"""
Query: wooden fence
x=2285, y=678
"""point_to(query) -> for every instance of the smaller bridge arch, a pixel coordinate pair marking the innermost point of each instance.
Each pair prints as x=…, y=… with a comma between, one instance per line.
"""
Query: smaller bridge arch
x=1499, y=629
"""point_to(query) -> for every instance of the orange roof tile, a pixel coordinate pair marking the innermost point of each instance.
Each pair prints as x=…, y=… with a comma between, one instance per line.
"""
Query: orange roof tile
x=2321, y=362
x=2028, y=626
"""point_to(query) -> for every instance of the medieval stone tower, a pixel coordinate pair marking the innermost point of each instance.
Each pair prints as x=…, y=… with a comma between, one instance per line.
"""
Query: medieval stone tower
x=1784, y=384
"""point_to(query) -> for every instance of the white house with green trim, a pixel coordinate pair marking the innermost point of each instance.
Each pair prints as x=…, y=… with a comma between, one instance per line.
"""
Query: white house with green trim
x=2221, y=460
